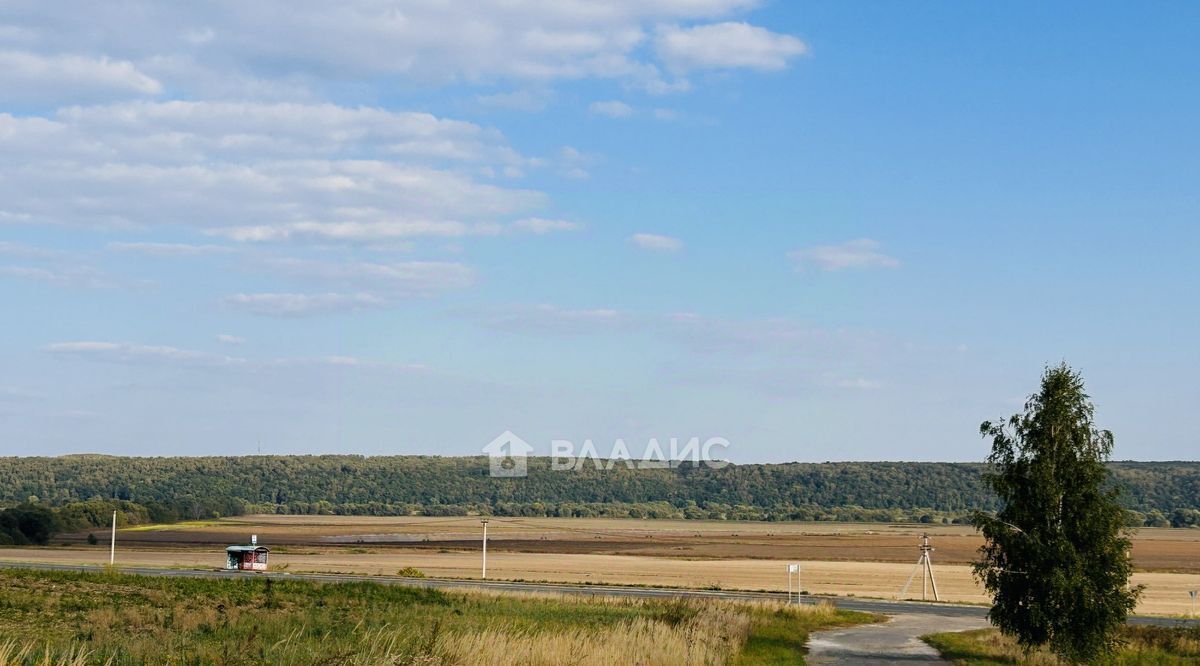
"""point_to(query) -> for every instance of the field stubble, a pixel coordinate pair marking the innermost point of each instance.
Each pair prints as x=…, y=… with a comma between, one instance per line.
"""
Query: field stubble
x=838, y=559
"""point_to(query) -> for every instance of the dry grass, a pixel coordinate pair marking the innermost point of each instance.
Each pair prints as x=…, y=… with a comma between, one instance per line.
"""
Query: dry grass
x=712, y=635
x=1143, y=645
x=13, y=653
x=50, y=618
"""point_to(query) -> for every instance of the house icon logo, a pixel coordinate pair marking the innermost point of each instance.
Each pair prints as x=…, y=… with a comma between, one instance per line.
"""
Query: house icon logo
x=508, y=456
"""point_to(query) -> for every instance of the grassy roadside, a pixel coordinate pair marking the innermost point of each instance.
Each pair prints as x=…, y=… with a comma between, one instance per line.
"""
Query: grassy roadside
x=121, y=619
x=1144, y=646
x=779, y=635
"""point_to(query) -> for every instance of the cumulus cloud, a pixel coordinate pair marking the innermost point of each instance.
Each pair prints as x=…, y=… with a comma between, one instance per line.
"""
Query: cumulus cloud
x=656, y=242
x=33, y=77
x=726, y=45
x=855, y=254
x=372, y=229
x=257, y=171
x=611, y=108
x=190, y=46
x=301, y=305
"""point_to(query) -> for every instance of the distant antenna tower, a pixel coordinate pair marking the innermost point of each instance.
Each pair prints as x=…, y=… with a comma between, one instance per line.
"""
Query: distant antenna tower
x=925, y=565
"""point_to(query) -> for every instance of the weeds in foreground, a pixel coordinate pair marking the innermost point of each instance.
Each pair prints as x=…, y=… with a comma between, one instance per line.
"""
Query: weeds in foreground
x=53, y=618
x=1143, y=645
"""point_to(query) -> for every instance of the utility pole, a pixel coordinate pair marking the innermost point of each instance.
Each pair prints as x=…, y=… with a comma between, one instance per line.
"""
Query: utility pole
x=925, y=564
x=485, y=522
x=112, y=548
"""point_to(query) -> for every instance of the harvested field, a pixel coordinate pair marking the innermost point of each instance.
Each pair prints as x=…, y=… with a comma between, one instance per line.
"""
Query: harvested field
x=1155, y=550
x=839, y=559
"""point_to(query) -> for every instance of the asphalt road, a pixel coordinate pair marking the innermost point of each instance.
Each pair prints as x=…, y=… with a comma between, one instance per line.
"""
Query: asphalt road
x=897, y=641
x=880, y=606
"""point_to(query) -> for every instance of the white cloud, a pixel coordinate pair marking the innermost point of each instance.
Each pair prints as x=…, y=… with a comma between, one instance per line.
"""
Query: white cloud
x=611, y=108
x=134, y=353
x=726, y=45
x=227, y=339
x=572, y=162
x=540, y=226
x=265, y=172
x=301, y=305
x=353, y=231
x=170, y=250
x=23, y=251
x=55, y=267
x=861, y=253
x=140, y=354
x=34, y=77
x=199, y=36
x=549, y=319
x=656, y=242
x=716, y=334
x=61, y=276
x=400, y=279
x=194, y=47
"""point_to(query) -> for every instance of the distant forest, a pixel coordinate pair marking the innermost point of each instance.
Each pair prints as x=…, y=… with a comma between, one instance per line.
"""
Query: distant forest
x=1157, y=493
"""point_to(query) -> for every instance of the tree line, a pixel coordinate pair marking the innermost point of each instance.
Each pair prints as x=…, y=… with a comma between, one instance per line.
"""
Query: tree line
x=34, y=523
x=187, y=488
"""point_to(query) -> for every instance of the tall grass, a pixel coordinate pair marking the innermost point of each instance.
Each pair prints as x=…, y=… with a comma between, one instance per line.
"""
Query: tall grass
x=13, y=653
x=51, y=618
x=1143, y=646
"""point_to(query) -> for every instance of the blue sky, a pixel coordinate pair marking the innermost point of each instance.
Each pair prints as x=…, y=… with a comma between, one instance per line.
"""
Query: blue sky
x=822, y=231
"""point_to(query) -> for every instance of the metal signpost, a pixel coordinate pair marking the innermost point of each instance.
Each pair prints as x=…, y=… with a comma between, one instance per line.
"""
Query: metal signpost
x=793, y=569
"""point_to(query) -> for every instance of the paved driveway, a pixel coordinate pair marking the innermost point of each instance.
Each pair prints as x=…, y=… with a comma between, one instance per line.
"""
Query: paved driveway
x=893, y=642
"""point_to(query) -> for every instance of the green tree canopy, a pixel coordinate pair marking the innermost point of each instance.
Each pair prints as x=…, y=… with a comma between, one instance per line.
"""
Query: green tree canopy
x=1056, y=560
